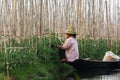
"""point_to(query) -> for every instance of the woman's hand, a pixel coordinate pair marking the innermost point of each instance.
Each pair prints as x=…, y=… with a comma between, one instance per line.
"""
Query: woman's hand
x=59, y=46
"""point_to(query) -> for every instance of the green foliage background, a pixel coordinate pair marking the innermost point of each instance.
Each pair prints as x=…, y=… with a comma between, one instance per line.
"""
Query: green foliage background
x=38, y=59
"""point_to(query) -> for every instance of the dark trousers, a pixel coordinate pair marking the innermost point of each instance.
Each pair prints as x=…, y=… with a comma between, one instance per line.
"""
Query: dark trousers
x=61, y=53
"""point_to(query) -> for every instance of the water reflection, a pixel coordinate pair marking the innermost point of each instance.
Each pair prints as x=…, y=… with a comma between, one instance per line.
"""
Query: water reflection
x=95, y=75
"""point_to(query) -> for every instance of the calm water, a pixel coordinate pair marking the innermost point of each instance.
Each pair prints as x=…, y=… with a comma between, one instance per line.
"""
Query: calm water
x=112, y=75
x=104, y=77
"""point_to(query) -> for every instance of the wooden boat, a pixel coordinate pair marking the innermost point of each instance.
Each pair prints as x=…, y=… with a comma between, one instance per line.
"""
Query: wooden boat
x=92, y=65
x=88, y=65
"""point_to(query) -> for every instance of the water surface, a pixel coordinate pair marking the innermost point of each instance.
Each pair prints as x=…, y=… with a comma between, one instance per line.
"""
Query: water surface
x=100, y=75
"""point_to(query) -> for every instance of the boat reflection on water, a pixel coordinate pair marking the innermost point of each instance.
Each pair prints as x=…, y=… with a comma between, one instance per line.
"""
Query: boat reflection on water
x=92, y=69
x=92, y=74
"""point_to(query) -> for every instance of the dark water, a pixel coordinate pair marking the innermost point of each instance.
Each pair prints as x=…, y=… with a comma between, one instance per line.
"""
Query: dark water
x=95, y=75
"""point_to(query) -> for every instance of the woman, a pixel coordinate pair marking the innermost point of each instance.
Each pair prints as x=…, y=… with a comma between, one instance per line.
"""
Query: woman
x=70, y=45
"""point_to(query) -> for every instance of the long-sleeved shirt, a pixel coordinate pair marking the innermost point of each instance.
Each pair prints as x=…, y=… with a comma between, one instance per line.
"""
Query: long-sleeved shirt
x=71, y=49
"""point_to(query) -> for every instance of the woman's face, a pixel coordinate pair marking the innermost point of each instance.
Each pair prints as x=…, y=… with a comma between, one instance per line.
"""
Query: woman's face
x=67, y=35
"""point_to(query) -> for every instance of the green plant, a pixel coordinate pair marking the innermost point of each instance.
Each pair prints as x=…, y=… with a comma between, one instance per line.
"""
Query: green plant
x=92, y=49
x=38, y=58
x=3, y=77
x=47, y=50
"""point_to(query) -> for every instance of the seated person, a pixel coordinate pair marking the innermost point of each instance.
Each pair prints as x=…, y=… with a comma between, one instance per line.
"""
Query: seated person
x=110, y=56
x=70, y=46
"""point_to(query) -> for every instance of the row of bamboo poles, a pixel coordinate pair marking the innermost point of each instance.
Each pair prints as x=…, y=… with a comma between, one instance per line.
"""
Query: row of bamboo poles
x=23, y=18
x=20, y=19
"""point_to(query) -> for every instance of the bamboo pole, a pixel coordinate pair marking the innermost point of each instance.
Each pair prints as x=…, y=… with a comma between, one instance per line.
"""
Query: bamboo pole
x=108, y=40
x=21, y=19
x=41, y=1
x=6, y=55
x=100, y=19
x=14, y=26
x=25, y=15
x=80, y=18
x=118, y=19
x=5, y=32
x=94, y=21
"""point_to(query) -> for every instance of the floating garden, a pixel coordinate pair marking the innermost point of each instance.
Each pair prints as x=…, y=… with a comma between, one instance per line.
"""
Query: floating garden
x=35, y=59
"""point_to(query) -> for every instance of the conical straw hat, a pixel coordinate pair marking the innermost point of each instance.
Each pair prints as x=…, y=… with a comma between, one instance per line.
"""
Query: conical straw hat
x=70, y=30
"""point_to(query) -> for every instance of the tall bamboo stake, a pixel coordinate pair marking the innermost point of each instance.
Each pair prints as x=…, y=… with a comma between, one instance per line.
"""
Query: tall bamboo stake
x=6, y=55
x=14, y=27
x=21, y=19
x=38, y=15
x=4, y=29
x=41, y=1
x=109, y=42
x=79, y=19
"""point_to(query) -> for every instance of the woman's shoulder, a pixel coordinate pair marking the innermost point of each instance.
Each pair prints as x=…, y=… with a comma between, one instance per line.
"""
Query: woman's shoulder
x=71, y=39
